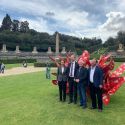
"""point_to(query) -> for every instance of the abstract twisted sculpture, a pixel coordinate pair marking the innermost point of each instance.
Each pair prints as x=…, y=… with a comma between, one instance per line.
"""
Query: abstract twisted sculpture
x=112, y=79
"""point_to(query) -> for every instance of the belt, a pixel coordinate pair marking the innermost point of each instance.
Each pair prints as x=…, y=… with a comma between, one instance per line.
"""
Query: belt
x=91, y=82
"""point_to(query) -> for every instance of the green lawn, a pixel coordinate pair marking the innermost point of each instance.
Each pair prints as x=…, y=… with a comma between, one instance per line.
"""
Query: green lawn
x=30, y=99
x=10, y=66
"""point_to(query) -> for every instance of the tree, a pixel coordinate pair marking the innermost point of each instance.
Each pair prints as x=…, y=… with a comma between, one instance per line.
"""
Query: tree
x=121, y=37
x=24, y=27
x=15, y=25
x=18, y=33
x=6, y=23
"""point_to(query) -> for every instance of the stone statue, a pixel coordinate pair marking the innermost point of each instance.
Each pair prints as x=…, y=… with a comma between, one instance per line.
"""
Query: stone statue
x=49, y=50
x=48, y=70
x=34, y=50
x=121, y=48
x=17, y=49
x=63, y=50
x=4, y=50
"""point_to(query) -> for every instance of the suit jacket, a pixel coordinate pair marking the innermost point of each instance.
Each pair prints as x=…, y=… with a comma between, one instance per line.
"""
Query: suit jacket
x=75, y=70
x=98, y=76
x=62, y=76
x=82, y=75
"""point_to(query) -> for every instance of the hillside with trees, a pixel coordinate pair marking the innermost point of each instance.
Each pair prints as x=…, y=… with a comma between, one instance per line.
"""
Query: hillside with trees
x=15, y=32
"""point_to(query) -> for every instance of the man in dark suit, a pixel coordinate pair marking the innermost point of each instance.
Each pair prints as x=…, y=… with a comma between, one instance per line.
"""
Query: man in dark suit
x=62, y=81
x=95, y=84
x=81, y=79
x=71, y=72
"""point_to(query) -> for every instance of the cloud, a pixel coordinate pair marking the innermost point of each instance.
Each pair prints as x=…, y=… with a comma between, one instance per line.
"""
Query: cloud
x=115, y=22
x=39, y=24
x=81, y=18
x=50, y=14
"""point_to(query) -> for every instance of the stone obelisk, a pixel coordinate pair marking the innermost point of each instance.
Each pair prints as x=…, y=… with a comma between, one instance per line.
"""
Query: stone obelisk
x=57, y=43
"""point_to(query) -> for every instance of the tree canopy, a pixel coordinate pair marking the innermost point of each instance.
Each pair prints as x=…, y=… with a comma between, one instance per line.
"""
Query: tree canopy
x=15, y=32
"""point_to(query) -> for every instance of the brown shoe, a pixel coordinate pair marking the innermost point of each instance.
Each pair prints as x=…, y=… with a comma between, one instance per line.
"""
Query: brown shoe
x=99, y=110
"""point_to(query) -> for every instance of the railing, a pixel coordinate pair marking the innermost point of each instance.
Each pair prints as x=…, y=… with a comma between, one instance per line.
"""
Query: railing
x=28, y=55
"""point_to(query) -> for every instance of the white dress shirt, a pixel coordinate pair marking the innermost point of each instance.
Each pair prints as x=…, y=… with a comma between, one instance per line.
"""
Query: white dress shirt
x=62, y=69
x=71, y=74
x=92, y=71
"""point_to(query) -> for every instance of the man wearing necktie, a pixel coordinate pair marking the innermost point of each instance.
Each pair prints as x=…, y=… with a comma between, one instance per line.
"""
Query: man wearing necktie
x=71, y=72
x=95, y=84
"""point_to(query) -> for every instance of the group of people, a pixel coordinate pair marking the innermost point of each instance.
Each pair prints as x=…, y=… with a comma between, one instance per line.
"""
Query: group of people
x=80, y=78
x=2, y=67
x=24, y=64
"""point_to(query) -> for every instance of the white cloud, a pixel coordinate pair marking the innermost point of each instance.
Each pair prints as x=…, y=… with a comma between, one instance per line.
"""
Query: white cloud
x=65, y=16
x=115, y=21
x=39, y=24
x=1, y=18
x=0, y=22
x=84, y=18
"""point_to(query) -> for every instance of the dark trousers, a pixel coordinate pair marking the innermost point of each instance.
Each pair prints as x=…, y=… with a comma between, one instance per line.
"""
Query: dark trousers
x=62, y=90
x=82, y=93
x=96, y=92
x=72, y=90
x=2, y=70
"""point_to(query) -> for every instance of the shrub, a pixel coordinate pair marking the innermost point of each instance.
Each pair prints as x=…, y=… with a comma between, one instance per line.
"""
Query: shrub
x=119, y=59
x=40, y=64
x=13, y=61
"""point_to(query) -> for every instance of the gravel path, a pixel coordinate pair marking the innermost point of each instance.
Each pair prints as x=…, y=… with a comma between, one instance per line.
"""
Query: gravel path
x=21, y=70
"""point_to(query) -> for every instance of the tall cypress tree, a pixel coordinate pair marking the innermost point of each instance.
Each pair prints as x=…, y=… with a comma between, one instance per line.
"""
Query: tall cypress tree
x=6, y=23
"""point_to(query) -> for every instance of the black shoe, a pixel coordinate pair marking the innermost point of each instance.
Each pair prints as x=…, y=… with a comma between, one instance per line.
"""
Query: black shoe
x=84, y=106
x=81, y=105
x=75, y=102
x=70, y=102
x=92, y=107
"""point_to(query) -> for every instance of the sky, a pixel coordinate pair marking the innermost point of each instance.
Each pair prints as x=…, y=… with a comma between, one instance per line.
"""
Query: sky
x=81, y=18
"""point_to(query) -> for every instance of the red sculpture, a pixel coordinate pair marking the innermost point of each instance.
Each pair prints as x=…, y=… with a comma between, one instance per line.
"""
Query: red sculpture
x=112, y=79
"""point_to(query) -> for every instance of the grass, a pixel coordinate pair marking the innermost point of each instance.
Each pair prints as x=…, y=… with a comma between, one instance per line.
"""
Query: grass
x=10, y=66
x=30, y=99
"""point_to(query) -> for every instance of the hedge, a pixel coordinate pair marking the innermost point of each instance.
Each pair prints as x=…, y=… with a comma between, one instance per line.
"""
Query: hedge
x=119, y=59
x=39, y=64
x=13, y=61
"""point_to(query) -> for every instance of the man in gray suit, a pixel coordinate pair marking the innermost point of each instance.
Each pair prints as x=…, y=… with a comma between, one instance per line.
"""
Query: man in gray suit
x=62, y=81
